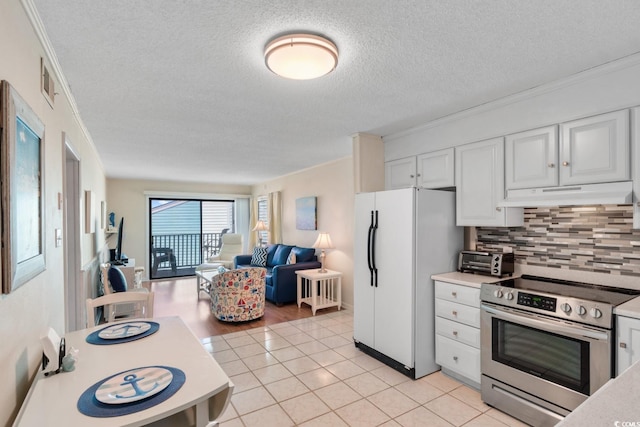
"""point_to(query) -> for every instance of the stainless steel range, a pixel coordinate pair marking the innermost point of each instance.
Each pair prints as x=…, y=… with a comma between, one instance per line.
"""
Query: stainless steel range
x=547, y=345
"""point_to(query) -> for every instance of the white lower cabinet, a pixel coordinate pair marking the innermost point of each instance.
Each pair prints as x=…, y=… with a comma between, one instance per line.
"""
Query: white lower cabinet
x=627, y=342
x=458, y=331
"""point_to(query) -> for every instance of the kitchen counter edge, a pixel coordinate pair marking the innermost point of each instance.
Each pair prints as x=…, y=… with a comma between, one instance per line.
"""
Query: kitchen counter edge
x=467, y=279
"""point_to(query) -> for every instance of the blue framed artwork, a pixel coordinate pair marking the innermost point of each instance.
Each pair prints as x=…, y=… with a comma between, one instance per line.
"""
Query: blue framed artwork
x=22, y=177
x=306, y=213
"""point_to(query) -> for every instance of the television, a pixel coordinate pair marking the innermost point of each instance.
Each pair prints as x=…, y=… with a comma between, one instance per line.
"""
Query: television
x=119, y=258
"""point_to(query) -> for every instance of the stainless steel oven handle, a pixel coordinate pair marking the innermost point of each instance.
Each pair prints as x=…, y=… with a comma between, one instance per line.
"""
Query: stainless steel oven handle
x=528, y=320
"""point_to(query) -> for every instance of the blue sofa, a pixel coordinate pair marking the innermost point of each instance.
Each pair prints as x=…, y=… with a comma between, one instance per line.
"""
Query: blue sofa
x=281, y=280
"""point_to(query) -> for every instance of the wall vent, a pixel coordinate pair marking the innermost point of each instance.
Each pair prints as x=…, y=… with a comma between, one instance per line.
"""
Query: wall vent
x=47, y=84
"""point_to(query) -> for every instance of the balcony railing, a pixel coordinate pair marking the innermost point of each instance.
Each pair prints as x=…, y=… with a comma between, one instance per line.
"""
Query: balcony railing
x=190, y=250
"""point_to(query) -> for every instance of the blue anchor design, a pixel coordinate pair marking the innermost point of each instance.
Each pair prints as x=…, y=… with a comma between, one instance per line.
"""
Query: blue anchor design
x=125, y=329
x=132, y=379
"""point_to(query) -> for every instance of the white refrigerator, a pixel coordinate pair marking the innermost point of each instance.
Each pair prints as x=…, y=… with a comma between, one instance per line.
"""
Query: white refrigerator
x=402, y=237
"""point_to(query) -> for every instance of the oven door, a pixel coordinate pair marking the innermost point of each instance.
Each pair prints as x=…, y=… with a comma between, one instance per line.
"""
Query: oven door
x=559, y=361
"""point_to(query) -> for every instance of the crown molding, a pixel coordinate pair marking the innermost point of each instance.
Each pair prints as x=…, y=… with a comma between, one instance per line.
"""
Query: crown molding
x=599, y=70
x=51, y=57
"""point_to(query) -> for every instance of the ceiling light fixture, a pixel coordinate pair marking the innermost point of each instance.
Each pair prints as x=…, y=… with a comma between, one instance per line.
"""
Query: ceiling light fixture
x=301, y=56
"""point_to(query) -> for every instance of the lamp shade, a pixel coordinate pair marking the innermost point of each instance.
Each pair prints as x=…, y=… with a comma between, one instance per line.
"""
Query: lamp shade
x=323, y=241
x=260, y=226
x=301, y=56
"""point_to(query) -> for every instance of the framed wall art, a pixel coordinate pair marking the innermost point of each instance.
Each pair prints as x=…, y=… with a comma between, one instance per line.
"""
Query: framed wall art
x=306, y=213
x=22, y=177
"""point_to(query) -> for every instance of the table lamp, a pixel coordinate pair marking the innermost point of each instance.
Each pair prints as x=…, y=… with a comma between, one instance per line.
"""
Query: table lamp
x=323, y=242
x=260, y=226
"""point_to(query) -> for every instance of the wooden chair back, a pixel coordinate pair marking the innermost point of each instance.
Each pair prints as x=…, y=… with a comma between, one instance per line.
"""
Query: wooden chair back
x=142, y=304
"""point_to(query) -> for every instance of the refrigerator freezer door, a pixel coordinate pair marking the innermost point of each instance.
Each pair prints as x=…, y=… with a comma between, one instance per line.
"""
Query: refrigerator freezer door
x=363, y=291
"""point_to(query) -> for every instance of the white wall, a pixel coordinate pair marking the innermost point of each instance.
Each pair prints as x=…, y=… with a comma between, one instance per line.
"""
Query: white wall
x=28, y=312
x=332, y=184
x=126, y=197
x=607, y=88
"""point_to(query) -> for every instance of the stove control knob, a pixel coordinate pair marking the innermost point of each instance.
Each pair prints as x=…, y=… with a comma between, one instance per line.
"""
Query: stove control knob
x=497, y=293
x=595, y=313
x=581, y=310
x=566, y=308
x=509, y=295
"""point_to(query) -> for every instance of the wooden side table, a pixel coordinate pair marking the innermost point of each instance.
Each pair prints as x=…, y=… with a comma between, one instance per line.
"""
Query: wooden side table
x=319, y=290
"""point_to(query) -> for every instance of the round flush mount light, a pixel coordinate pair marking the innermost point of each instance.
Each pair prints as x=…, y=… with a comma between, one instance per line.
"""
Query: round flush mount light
x=301, y=56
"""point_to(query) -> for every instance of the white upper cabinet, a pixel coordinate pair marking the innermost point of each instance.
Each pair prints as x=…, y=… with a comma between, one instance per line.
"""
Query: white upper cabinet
x=435, y=170
x=430, y=170
x=400, y=173
x=531, y=158
x=479, y=170
x=595, y=149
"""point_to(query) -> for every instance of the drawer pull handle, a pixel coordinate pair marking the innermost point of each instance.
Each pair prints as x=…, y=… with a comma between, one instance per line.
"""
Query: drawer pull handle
x=455, y=358
x=455, y=313
x=565, y=163
x=623, y=345
x=455, y=333
x=552, y=165
x=454, y=294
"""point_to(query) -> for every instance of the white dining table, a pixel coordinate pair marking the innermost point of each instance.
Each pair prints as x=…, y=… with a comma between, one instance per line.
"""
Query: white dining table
x=52, y=400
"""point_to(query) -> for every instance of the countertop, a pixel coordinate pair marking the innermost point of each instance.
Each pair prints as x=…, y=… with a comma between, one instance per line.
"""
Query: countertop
x=467, y=279
x=614, y=404
x=629, y=309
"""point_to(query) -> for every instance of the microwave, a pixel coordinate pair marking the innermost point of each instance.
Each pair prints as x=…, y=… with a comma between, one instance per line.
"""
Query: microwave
x=489, y=263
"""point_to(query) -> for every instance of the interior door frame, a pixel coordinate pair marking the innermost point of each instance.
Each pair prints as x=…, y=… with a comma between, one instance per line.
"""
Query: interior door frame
x=70, y=203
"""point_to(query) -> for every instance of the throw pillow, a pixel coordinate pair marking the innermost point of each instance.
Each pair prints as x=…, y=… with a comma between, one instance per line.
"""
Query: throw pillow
x=280, y=257
x=303, y=254
x=117, y=279
x=291, y=259
x=259, y=257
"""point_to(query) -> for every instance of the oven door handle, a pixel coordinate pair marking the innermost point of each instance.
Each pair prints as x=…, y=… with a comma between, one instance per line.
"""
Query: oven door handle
x=528, y=320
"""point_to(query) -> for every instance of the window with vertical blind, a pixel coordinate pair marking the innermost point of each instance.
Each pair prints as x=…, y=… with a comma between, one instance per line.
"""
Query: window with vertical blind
x=263, y=215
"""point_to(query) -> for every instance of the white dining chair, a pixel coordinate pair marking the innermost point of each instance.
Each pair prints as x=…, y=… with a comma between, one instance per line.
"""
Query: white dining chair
x=139, y=305
x=108, y=289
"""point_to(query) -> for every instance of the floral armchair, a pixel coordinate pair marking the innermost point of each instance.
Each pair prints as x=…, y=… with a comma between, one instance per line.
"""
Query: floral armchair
x=238, y=295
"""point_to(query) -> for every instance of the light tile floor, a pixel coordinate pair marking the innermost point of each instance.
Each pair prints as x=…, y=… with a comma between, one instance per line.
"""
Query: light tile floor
x=307, y=372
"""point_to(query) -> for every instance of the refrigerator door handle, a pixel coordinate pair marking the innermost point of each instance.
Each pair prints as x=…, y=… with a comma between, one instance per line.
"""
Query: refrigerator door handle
x=373, y=251
x=369, y=261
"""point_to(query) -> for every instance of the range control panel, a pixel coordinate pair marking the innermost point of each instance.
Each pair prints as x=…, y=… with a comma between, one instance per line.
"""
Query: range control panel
x=537, y=301
x=567, y=308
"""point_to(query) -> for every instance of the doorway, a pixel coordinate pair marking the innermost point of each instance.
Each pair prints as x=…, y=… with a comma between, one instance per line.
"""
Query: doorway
x=184, y=232
x=74, y=297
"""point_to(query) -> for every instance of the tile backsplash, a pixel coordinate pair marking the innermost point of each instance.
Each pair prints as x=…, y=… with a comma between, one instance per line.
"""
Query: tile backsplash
x=596, y=239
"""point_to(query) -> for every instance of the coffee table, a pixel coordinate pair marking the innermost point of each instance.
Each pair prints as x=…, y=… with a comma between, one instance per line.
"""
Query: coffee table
x=204, y=279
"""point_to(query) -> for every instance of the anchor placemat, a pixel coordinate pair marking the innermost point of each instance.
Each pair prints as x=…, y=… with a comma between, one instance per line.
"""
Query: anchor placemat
x=131, y=391
x=118, y=333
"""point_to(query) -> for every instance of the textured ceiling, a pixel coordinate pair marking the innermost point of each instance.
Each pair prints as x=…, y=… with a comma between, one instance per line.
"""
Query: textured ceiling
x=178, y=90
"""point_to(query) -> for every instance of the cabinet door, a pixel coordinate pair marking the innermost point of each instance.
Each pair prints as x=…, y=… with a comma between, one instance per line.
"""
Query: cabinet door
x=628, y=343
x=435, y=170
x=531, y=158
x=400, y=173
x=480, y=186
x=595, y=149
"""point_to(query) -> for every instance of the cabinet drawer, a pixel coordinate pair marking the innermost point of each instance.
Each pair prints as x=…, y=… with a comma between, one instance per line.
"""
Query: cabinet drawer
x=459, y=358
x=458, y=312
x=458, y=332
x=458, y=293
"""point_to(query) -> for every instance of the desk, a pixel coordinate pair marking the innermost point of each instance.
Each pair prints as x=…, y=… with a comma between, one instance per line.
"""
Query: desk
x=52, y=401
x=319, y=290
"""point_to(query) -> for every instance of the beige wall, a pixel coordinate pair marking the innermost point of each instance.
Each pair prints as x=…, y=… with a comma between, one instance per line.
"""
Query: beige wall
x=128, y=198
x=332, y=184
x=28, y=312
